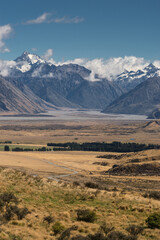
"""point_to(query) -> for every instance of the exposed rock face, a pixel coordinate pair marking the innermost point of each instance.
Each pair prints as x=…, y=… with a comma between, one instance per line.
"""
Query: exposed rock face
x=13, y=99
x=95, y=94
x=129, y=80
x=141, y=100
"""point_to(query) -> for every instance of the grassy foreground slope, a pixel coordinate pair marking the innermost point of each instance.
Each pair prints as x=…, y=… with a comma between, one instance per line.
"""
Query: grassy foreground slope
x=53, y=208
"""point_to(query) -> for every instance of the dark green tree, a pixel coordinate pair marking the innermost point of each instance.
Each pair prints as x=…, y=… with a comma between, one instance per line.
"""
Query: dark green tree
x=6, y=148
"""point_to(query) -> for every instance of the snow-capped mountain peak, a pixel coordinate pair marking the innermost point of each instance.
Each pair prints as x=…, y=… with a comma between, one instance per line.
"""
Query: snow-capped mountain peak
x=25, y=62
x=130, y=79
x=148, y=72
x=30, y=58
x=151, y=68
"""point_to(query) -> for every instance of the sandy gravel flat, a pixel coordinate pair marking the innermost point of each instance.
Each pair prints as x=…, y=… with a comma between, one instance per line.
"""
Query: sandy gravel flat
x=47, y=163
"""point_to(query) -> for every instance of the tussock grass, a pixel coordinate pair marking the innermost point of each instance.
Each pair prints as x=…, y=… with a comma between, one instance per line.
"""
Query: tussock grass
x=59, y=202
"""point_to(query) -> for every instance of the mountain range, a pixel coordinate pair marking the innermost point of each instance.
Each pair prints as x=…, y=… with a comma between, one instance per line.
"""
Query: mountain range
x=33, y=84
x=130, y=79
x=143, y=99
x=62, y=86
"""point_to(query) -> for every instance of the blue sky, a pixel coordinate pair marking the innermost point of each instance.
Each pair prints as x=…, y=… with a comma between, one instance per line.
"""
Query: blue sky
x=80, y=28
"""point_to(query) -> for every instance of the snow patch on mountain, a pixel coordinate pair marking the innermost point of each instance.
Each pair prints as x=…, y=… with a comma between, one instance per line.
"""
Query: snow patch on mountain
x=23, y=66
x=147, y=72
x=109, y=68
x=114, y=69
x=29, y=58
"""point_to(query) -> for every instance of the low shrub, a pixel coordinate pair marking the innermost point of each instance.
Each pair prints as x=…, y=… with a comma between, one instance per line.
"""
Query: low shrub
x=86, y=215
x=8, y=214
x=14, y=210
x=106, y=229
x=21, y=213
x=96, y=236
x=99, y=236
x=154, y=194
x=114, y=189
x=116, y=235
x=7, y=197
x=76, y=183
x=153, y=221
x=134, y=160
x=66, y=234
x=135, y=229
x=49, y=219
x=58, y=228
x=91, y=185
x=69, y=198
x=9, y=208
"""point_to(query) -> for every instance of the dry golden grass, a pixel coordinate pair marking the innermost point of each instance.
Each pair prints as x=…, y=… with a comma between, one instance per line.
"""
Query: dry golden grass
x=42, y=132
x=62, y=200
x=61, y=163
x=117, y=200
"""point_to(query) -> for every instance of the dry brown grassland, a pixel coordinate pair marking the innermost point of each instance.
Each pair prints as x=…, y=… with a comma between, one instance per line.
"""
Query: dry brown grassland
x=57, y=184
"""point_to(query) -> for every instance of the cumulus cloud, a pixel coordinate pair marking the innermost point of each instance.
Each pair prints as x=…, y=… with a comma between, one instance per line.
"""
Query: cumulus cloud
x=41, y=19
x=156, y=63
x=48, y=54
x=5, y=32
x=6, y=67
x=38, y=73
x=103, y=68
x=109, y=68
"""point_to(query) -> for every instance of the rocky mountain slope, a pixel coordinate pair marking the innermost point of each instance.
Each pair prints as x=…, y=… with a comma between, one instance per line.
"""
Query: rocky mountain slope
x=95, y=94
x=15, y=100
x=130, y=79
x=140, y=100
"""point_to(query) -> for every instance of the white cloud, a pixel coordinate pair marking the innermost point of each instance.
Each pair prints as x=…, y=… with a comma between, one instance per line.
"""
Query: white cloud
x=48, y=54
x=68, y=20
x=41, y=19
x=5, y=32
x=105, y=68
x=6, y=67
x=156, y=63
x=46, y=18
x=109, y=68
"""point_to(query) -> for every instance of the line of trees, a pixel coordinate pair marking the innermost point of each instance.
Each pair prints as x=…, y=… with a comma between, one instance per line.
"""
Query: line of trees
x=20, y=149
x=89, y=146
x=9, y=142
x=102, y=146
